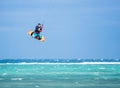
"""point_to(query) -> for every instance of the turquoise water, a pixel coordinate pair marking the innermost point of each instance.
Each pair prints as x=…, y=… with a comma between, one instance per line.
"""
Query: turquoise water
x=59, y=75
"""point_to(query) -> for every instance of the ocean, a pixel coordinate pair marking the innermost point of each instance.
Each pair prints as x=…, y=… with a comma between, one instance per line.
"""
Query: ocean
x=60, y=73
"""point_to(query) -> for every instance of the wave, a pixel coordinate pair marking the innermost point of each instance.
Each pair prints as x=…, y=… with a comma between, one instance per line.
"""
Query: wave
x=57, y=60
x=82, y=63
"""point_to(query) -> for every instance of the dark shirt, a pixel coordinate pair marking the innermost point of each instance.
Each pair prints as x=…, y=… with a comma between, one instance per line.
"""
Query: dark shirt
x=38, y=29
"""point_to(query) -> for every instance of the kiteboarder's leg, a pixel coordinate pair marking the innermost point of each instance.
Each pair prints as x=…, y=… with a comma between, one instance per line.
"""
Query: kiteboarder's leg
x=34, y=35
x=38, y=37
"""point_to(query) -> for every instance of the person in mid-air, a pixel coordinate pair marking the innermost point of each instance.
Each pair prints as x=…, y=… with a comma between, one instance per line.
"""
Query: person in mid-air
x=37, y=31
x=38, y=28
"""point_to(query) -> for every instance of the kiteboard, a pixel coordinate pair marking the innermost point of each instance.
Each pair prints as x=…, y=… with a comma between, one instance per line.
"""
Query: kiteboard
x=32, y=34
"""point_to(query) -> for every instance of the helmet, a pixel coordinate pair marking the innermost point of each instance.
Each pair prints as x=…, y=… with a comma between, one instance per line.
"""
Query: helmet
x=39, y=24
x=30, y=32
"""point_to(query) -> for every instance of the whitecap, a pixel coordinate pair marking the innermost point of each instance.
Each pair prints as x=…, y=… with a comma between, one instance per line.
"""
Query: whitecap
x=76, y=82
x=96, y=73
x=36, y=86
x=101, y=68
x=17, y=71
x=97, y=78
x=100, y=63
x=105, y=78
x=16, y=78
x=4, y=74
x=47, y=63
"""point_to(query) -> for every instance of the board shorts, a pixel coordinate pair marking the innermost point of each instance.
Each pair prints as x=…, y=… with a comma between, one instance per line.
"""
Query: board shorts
x=35, y=35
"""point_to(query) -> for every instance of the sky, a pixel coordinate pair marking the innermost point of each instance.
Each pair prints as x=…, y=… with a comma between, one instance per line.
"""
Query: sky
x=72, y=29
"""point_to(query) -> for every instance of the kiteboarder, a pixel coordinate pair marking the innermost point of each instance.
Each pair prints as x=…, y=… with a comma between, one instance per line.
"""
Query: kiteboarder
x=37, y=31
